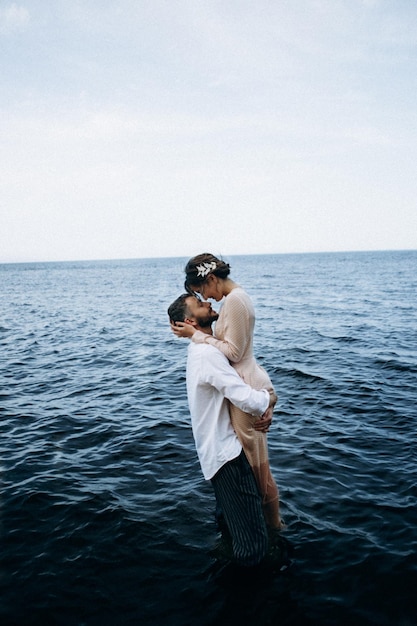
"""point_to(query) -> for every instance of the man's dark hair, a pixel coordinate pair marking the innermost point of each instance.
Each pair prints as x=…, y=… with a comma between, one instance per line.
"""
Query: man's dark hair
x=178, y=310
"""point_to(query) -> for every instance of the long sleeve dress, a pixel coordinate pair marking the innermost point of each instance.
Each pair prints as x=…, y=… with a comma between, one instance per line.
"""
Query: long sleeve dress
x=234, y=337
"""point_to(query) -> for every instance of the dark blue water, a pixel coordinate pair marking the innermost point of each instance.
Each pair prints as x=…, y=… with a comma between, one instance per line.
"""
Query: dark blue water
x=105, y=517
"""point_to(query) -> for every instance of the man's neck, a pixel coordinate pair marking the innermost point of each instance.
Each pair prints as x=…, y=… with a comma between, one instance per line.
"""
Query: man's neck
x=207, y=330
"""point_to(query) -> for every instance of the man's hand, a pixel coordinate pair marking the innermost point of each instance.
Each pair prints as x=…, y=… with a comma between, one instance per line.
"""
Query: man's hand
x=273, y=398
x=264, y=422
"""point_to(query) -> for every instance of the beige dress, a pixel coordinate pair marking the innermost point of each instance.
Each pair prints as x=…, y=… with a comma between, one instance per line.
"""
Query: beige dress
x=234, y=337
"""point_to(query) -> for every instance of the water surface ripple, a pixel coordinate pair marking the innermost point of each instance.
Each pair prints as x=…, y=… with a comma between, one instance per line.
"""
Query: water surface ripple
x=104, y=515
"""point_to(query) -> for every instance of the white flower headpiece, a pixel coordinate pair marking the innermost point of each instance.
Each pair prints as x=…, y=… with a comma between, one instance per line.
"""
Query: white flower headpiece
x=205, y=268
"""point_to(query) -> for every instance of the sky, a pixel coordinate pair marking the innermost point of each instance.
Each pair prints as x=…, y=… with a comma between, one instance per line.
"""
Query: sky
x=159, y=128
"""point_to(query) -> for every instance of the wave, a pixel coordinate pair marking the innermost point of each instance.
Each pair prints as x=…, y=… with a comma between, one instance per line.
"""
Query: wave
x=104, y=514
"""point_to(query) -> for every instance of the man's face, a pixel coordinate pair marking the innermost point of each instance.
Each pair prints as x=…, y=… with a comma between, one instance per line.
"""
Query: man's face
x=201, y=312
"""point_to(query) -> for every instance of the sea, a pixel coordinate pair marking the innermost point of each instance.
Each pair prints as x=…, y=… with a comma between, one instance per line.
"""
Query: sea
x=105, y=518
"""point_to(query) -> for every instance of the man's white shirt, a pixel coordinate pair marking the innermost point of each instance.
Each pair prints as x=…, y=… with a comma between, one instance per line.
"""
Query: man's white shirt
x=211, y=381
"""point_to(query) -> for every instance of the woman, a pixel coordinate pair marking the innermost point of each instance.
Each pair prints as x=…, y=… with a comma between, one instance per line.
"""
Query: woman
x=209, y=276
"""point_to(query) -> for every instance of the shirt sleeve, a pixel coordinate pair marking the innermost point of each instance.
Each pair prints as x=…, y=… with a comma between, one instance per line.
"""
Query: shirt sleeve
x=220, y=374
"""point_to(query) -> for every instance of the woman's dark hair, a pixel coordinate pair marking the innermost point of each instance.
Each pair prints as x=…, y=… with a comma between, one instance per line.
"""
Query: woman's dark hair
x=200, y=266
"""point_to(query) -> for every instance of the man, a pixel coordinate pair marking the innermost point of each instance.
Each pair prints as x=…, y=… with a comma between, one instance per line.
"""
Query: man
x=211, y=383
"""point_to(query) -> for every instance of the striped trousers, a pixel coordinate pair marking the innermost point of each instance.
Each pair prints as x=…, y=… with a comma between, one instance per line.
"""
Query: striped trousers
x=238, y=497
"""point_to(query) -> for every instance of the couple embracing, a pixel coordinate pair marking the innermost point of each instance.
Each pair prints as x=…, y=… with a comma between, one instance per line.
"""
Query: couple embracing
x=231, y=400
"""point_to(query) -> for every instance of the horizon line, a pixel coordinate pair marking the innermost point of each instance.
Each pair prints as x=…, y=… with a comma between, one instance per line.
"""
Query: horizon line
x=145, y=258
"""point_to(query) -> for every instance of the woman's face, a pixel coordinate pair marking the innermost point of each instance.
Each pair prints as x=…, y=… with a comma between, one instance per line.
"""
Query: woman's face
x=209, y=289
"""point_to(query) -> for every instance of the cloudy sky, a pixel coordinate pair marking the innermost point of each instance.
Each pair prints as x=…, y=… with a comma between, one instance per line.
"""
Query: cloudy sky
x=149, y=128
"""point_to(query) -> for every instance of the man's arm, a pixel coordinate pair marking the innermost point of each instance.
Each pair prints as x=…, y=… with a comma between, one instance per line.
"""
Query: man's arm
x=221, y=375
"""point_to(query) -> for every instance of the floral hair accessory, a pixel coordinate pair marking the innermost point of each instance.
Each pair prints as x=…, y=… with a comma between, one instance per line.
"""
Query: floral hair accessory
x=205, y=268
